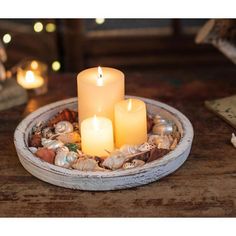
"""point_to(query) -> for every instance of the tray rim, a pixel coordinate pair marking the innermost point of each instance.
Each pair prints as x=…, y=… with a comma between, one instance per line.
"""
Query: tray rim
x=24, y=152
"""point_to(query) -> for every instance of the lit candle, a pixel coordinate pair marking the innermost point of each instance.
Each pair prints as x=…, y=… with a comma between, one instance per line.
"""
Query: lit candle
x=98, y=91
x=130, y=122
x=97, y=136
x=30, y=80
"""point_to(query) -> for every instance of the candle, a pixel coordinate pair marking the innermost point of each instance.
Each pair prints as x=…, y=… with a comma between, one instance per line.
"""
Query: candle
x=130, y=122
x=97, y=136
x=29, y=80
x=98, y=91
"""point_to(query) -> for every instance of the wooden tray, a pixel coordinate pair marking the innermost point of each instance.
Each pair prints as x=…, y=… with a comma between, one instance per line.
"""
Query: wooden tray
x=102, y=181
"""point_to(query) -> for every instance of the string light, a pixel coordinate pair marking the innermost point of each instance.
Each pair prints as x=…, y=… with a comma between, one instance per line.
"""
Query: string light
x=50, y=27
x=56, y=65
x=6, y=38
x=99, y=21
x=38, y=27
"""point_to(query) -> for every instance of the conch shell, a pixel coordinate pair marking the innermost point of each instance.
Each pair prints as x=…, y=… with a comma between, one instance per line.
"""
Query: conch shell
x=233, y=140
x=51, y=144
x=73, y=137
x=65, y=158
x=63, y=127
x=86, y=164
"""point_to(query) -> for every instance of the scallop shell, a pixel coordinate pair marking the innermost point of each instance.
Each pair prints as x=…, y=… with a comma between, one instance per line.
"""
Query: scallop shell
x=86, y=164
x=133, y=164
x=51, y=144
x=63, y=127
x=233, y=140
x=65, y=159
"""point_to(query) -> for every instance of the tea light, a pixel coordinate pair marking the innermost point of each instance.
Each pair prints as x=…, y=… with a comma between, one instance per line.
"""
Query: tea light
x=30, y=80
x=97, y=136
x=130, y=122
x=98, y=91
x=31, y=75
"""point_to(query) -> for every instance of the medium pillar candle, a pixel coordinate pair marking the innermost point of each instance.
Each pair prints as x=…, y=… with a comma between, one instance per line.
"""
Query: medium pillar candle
x=97, y=136
x=130, y=122
x=98, y=91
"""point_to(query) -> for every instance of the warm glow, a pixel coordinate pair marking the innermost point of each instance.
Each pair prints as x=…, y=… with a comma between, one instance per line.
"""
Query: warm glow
x=34, y=65
x=100, y=77
x=38, y=27
x=6, y=38
x=50, y=27
x=29, y=77
x=129, y=107
x=56, y=65
x=95, y=123
x=99, y=21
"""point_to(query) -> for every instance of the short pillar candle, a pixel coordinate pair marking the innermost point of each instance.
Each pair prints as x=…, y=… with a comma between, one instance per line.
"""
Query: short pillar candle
x=130, y=122
x=97, y=136
x=98, y=91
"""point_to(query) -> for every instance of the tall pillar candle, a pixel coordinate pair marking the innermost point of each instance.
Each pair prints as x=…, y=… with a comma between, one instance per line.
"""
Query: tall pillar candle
x=130, y=122
x=98, y=91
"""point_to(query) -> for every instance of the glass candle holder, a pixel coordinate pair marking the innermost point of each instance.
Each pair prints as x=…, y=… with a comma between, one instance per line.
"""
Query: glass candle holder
x=32, y=75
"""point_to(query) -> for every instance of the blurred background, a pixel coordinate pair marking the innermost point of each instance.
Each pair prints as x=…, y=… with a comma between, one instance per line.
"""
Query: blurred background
x=69, y=45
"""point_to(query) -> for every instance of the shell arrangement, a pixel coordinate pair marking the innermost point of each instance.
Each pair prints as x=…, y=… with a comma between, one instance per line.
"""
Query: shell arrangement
x=58, y=142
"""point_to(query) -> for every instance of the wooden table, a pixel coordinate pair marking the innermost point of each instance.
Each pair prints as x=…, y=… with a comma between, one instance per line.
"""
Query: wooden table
x=204, y=186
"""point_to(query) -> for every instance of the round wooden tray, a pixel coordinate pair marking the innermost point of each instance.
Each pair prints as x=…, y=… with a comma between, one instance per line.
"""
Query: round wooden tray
x=102, y=181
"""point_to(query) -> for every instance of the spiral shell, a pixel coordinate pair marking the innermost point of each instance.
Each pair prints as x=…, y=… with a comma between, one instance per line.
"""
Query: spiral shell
x=86, y=164
x=65, y=159
x=114, y=162
x=163, y=128
x=51, y=144
x=63, y=127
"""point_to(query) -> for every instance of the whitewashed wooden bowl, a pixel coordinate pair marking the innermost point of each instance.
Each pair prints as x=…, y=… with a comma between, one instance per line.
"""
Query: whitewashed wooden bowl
x=102, y=181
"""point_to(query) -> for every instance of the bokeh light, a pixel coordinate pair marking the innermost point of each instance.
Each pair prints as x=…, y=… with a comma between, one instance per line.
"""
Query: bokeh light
x=34, y=65
x=50, y=27
x=56, y=65
x=6, y=38
x=99, y=21
x=38, y=27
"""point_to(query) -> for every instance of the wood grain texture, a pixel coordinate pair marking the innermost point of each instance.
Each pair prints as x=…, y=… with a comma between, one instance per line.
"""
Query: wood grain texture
x=204, y=186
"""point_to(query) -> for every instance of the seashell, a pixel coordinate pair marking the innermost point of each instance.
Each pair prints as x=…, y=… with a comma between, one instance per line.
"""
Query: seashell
x=145, y=147
x=161, y=141
x=86, y=164
x=174, y=144
x=233, y=140
x=47, y=132
x=65, y=158
x=33, y=149
x=65, y=115
x=51, y=144
x=114, y=162
x=62, y=149
x=163, y=129
x=37, y=128
x=133, y=164
x=128, y=149
x=73, y=137
x=159, y=120
x=35, y=140
x=63, y=127
x=46, y=154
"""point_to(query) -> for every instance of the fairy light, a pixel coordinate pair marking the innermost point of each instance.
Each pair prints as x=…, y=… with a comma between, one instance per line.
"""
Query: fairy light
x=56, y=65
x=99, y=21
x=50, y=27
x=6, y=38
x=38, y=27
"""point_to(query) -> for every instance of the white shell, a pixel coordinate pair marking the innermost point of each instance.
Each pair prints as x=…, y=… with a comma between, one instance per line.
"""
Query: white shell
x=114, y=162
x=128, y=149
x=65, y=159
x=63, y=149
x=63, y=127
x=33, y=149
x=51, y=144
x=86, y=164
x=233, y=140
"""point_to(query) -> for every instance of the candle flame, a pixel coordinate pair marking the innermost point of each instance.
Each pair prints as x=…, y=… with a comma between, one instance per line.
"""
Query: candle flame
x=29, y=77
x=100, y=77
x=129, y=107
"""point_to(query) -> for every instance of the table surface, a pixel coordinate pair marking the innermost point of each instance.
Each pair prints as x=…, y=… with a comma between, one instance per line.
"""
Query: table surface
x=204, y=186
